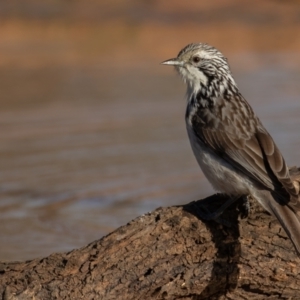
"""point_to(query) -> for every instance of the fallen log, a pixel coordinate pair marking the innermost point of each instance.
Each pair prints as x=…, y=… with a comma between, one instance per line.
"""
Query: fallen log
x=169, y=253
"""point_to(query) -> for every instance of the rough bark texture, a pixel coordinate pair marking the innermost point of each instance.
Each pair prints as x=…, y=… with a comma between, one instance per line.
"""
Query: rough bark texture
x=168, y=254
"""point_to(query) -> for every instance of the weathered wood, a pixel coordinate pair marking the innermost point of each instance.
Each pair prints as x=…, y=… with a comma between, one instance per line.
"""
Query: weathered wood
x=168, y=254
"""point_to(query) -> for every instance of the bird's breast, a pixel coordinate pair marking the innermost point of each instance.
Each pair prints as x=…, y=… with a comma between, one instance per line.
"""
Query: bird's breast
x=218, y=172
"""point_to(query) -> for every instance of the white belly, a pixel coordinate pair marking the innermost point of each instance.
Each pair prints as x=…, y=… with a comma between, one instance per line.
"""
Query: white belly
x=218, y=172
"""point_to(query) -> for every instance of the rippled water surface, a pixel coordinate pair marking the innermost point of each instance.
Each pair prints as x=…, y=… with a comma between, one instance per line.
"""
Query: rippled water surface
x=85, y=150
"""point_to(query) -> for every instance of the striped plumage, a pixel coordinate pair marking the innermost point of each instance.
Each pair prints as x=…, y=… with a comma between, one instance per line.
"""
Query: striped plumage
x=234, y=150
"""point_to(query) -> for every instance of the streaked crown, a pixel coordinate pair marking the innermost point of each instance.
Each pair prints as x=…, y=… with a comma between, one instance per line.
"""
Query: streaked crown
x=200, y=63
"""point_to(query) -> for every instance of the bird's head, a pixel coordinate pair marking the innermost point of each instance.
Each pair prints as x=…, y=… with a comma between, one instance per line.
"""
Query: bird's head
x=199, y=64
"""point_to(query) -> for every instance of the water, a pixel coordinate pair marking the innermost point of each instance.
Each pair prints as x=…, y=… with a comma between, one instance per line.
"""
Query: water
x=86, y=149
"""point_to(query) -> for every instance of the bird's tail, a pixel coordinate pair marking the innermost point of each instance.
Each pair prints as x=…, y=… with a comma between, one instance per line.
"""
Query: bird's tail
x=287, y=216
x=295, y=177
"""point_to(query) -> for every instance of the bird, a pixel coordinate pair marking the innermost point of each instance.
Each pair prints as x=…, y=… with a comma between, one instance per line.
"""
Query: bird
x=232, y=147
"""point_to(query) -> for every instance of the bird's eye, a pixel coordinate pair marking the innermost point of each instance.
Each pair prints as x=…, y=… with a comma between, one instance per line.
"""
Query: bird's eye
x=196, y=59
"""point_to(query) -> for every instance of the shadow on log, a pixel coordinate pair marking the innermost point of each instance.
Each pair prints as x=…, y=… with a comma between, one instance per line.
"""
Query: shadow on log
x=168, y=254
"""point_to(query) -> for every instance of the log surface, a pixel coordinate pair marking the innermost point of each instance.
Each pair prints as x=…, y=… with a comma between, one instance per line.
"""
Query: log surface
x=168, y=254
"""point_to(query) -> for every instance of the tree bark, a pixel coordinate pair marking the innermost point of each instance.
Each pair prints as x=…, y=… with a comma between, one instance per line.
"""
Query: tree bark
x=168, y=254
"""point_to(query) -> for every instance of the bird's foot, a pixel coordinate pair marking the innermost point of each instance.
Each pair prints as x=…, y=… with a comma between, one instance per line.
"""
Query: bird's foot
x=203, y=210
x=244, y=206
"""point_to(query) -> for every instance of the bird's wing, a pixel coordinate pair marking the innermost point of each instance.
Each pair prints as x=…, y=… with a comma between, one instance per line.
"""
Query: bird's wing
x=241, y=140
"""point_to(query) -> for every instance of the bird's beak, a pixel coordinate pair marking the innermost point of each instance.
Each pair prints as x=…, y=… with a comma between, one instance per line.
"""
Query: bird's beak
x=172, y=62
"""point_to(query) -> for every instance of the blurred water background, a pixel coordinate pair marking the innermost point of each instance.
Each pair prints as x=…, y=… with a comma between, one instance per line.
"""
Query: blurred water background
x=92, y=129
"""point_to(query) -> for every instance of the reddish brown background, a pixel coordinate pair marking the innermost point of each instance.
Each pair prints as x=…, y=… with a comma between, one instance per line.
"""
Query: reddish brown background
x=92, y=131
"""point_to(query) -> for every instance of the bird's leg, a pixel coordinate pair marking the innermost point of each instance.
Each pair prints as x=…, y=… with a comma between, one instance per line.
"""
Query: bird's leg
x=244, y=207
x=204, y=213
